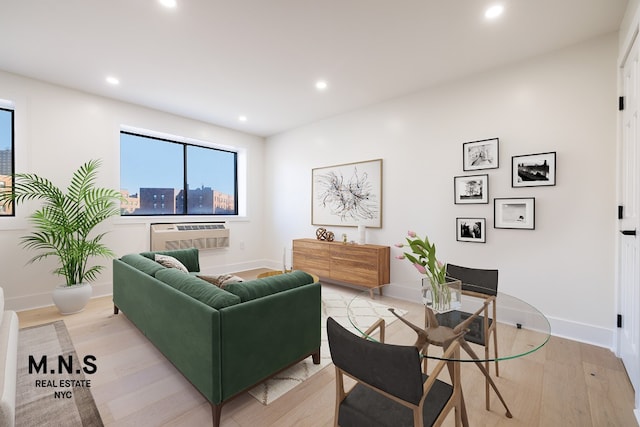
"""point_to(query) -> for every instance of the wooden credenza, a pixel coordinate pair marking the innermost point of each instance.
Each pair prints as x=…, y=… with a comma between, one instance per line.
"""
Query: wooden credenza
x=361, y=265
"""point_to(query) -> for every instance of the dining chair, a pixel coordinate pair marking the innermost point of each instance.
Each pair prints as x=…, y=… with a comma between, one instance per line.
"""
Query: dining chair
x=483, y=284
x=390, y=388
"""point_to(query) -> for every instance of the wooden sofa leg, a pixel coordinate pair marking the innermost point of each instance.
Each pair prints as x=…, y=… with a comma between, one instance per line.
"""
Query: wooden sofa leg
x=216, y=410
x=116, y=310
x=316, y=357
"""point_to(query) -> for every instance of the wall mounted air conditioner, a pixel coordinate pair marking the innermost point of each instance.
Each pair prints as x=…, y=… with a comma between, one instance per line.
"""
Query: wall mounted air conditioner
x=201, y=235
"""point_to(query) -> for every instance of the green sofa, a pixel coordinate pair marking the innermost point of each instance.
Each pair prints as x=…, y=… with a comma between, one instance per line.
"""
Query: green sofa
x=223, y=341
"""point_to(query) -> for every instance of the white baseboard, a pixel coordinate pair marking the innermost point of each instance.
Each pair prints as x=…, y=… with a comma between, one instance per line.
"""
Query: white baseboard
x=28, y=302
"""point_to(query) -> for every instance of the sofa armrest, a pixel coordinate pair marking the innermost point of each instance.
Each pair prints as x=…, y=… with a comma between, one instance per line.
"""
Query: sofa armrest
x=265, y=335
x=8, y=367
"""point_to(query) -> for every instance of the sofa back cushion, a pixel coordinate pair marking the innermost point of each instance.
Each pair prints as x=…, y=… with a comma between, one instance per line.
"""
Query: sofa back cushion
x=259, y=288
x=196, y=288
x=142, y=263
x=188, y=257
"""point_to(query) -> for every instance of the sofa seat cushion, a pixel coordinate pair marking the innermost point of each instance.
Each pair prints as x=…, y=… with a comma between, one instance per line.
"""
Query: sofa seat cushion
x=188, y=257
x=144, y=264
x=258, y=288
x=196, y=288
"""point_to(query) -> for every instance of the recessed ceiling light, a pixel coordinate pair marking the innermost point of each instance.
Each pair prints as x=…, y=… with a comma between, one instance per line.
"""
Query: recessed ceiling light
x=242, y=118
x=321, y=85
x=113, y=81
x=168, y=3
x=494, y=11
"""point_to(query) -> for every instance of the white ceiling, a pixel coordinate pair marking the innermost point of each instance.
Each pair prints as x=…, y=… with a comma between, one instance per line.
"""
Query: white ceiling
x=214, y=60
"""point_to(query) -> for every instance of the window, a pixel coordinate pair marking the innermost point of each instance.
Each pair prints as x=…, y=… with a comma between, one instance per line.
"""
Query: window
x=163, y=177
x=6, y=157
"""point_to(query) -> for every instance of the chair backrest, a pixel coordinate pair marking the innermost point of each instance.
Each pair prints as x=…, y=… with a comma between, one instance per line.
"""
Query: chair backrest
x=475, y=279
x=394, y=369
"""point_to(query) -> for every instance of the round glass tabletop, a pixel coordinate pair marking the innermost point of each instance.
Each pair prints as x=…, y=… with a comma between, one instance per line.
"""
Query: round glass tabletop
x=514, y=327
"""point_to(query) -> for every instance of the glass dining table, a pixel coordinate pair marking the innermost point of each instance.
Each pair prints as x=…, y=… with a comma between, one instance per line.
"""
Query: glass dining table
x=513, y=328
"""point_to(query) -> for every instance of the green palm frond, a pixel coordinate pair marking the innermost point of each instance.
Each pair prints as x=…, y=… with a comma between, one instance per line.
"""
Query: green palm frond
x=65, y=221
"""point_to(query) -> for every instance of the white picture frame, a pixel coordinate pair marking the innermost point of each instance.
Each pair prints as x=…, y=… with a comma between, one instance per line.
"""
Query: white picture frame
x=516, y=212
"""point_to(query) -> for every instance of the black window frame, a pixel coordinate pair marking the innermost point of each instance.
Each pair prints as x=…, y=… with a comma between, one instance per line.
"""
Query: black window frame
x=12, y=205
x=185, y=191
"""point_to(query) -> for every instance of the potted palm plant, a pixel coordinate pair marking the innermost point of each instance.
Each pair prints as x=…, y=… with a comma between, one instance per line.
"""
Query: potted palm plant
x=63, y=228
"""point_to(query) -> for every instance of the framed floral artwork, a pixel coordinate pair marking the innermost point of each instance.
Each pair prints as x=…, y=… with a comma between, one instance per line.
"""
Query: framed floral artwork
x=349, y=194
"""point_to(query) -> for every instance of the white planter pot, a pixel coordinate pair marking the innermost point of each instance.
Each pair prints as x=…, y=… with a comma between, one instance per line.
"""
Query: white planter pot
x=72, y=299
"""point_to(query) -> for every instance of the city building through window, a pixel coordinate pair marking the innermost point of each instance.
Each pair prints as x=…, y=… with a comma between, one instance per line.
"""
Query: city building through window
x=7, y=163
x=187, y=179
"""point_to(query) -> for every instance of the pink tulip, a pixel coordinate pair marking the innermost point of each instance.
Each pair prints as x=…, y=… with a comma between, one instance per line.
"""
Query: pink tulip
x=420, y=268
x=411, y=233
x=399, y=256
x=399, y=245
x=440, y=265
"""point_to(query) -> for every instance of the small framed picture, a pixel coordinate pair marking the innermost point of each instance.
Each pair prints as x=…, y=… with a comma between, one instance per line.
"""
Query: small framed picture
x=471, y=189
x=533, y=170
x=519, y=212
x=470, y=230
x=481, y=154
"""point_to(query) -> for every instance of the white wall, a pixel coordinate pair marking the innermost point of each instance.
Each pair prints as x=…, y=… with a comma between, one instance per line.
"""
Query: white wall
x=563, y=102
x=57, y=130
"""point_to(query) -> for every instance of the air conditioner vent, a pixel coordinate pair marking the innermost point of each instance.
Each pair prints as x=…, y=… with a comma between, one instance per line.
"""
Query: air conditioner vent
x=189, y=235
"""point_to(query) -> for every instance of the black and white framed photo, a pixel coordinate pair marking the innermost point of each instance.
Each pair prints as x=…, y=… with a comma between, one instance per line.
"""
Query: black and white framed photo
x=533, y=170
x=471, y=230
x=518, y=212
x=471, y=189
x=483, y=154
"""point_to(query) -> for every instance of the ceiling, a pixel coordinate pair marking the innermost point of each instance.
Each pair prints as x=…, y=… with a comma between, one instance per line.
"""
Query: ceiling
x=214, y=60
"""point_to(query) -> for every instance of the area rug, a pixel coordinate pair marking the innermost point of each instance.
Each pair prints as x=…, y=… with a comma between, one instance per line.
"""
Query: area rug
x=49, y=394
x=364, y=312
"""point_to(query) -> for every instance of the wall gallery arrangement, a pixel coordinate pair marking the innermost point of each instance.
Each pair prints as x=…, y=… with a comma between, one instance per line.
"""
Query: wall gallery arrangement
x=527, y=170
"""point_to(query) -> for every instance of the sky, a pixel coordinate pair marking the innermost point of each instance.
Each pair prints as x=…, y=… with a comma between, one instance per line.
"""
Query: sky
x=146, y=162
x=5, y=129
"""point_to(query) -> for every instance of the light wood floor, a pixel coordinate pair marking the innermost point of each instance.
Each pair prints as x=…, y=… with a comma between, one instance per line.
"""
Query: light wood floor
x=566, y=383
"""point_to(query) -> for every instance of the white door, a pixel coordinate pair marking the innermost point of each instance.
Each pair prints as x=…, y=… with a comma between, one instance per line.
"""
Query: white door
x=629, y=224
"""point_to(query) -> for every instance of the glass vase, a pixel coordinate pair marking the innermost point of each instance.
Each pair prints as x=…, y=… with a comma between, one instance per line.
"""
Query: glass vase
x=442, y=297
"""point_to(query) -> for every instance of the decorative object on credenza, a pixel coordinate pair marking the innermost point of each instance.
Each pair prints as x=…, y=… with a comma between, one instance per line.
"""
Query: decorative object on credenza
x=323, y=234
x=518, y=212
x=483, y=154
x=362, y=234
x=471, y=230
x=533, y=170
x=64, y=228
x=348, y=194
x=471, y=189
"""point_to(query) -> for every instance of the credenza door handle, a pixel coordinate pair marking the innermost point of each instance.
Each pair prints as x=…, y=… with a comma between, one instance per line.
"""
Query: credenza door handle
x=628, y=232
